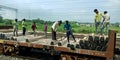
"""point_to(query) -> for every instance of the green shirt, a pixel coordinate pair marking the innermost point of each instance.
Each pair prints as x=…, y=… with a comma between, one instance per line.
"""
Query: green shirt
x=23, y=24
x=15, y=24
x=98, y=17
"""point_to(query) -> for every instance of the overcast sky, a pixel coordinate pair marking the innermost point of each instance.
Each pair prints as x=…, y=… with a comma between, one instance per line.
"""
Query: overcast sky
x=74, y=10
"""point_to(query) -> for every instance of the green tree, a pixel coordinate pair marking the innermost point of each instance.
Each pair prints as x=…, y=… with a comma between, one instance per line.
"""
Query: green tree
x=1, y=19
x=117, y=24
x=8, y=21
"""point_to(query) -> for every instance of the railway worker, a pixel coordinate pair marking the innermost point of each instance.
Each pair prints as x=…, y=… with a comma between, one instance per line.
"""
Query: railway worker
x=34, y=27
x=54, y=28
x=68, y=29
x=105, y=22
x=45, y=29
x=97, y=20
x=24, y=26
x=15, y=27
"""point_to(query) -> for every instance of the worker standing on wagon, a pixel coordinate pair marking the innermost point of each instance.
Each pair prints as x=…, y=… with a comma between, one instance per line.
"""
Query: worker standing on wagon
x=15, y=27
x=34, y=28
x=68, y=29
x=54, y=28
x=24, y=26
x=105, y=22
x=97, y=20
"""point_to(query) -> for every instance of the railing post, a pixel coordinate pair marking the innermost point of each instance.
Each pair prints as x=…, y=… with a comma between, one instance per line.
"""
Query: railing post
x=111, y=43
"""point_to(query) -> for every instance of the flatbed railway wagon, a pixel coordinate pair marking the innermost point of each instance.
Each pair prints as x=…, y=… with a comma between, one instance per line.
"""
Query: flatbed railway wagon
x=86, y=48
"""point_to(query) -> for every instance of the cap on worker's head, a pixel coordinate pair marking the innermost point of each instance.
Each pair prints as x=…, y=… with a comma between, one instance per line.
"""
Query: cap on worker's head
x=95, y=10
x=66, y=21
x=16, y=19
x=24, y=19
x=105, y=12
x=60, y=21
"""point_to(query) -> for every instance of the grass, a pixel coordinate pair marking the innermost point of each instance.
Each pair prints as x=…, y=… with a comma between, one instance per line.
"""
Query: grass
x=75, y=28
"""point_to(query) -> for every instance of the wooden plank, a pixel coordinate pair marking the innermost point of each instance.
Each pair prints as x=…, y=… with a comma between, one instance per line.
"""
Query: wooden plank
x=64, y=49
x=37, y=46
x=9, y=42
x=23, y=44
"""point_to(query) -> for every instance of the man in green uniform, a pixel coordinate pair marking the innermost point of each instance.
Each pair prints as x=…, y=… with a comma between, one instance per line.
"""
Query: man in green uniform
x=24, y=26
x=97, y=20
x=15, y=27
